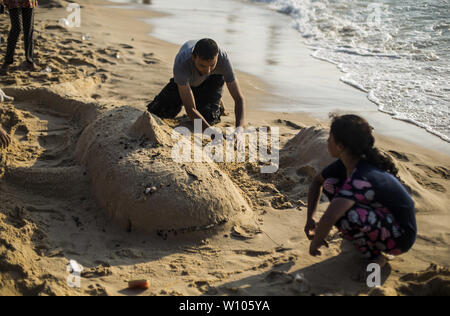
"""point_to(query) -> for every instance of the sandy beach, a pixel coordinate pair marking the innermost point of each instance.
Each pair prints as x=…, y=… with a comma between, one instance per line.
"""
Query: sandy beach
x=89, y=177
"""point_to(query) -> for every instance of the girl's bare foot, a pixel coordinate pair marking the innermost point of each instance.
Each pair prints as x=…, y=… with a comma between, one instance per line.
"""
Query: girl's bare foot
x=362, y=274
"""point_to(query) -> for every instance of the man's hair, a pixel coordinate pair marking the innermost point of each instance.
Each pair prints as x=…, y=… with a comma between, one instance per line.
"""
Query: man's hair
x=206, y=49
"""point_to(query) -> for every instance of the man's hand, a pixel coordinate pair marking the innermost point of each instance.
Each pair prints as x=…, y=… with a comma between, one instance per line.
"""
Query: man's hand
x=4, y=97
x=5, y=140
x=187, y=97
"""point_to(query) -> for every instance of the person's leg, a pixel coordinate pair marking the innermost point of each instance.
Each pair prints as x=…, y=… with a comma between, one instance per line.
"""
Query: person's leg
x=207, y=98
x=372, y=232
x=28, y=30
x=167, y=104
x=14, y=15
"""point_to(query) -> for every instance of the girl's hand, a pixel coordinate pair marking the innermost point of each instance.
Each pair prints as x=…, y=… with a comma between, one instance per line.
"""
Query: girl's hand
x=314, y=249
x=310, y=230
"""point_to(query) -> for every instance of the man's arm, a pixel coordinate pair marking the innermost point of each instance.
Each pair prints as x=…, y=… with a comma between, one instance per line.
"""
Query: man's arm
x=239, y=102
x=187, y=97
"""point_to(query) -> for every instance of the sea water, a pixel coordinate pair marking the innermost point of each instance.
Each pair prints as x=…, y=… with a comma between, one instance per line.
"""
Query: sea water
x=396, y=51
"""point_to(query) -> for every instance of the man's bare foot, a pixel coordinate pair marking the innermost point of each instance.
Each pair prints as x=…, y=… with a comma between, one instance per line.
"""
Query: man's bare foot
x=362, y=274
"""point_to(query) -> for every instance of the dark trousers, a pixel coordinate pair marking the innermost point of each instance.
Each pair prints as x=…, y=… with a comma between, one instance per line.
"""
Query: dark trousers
x=167, y=104
x=28, y=29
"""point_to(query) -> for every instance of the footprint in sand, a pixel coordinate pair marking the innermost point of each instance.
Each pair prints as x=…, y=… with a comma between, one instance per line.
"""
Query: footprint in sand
x=105, y=61
x=126, y=46
x=426, y=182
x=97, y=290
x=400, y=156
x=289, y=124
x=149, y=59
x=81, y=61
x=439, y=172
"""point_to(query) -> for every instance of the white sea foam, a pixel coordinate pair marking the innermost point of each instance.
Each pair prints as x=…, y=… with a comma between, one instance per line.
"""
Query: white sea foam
x=396, y=51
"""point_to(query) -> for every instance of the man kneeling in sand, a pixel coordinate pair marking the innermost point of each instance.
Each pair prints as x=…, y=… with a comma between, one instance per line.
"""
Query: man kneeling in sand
x=201, y=68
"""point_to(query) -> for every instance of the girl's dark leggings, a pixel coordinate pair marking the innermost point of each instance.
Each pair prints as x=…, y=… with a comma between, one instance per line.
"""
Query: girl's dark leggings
x=16, y=27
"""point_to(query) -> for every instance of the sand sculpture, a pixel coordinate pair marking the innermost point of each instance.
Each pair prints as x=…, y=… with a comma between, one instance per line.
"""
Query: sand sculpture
x=126, y=154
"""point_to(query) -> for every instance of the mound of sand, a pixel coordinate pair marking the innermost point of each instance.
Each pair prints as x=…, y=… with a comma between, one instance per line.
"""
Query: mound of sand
x=434, y=281
x=128, y=156
x=45, y=125
x=307, y=152
x=70, y=99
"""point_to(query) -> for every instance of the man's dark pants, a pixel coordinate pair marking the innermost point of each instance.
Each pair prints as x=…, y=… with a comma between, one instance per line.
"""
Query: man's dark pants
x=167, y=104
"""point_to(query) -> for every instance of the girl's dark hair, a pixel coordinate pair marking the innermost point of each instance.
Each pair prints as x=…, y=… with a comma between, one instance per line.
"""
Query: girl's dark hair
x=355, y=134
x=206, y=49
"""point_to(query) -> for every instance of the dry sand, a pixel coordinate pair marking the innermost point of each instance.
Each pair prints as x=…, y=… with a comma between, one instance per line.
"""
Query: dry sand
x=73, y=183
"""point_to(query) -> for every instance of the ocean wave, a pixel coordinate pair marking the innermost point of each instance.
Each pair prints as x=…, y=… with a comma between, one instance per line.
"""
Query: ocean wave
x=397, y=52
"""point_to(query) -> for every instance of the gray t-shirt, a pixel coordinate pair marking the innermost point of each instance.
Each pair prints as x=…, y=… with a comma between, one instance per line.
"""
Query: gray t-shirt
x=184, y=71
